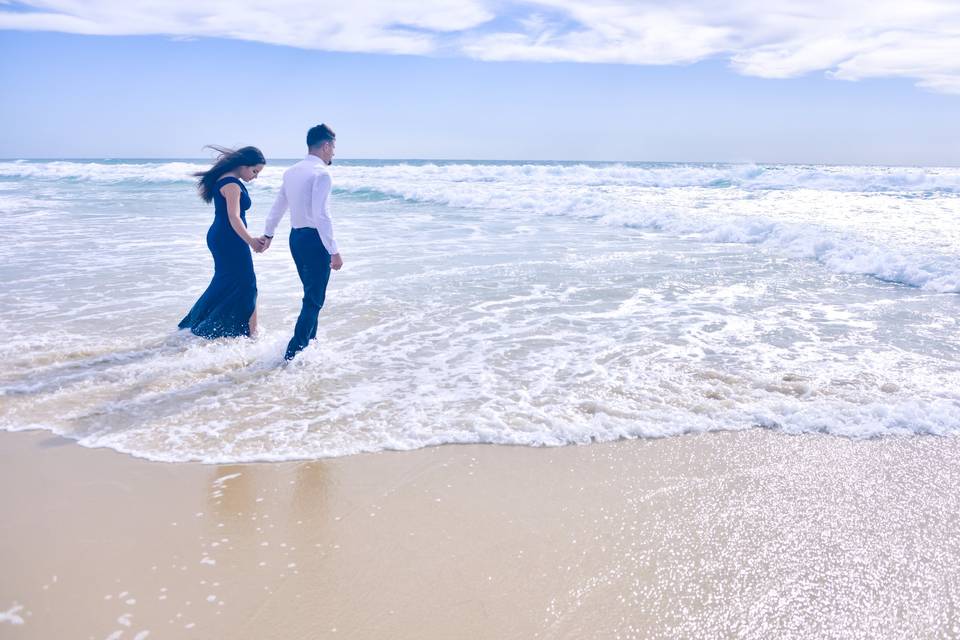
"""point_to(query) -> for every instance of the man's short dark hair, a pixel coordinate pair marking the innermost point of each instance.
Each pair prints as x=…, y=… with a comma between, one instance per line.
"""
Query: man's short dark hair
x=320, y=134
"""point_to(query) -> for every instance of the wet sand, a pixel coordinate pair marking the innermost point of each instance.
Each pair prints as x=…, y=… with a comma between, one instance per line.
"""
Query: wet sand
x=750, y=534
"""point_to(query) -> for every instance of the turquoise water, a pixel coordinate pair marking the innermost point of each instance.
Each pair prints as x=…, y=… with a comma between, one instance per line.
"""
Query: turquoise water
x=532, y=304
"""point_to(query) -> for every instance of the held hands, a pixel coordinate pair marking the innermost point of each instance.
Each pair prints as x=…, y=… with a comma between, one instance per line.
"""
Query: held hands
x=261, y=244
x=257, y=245
x=336, y=262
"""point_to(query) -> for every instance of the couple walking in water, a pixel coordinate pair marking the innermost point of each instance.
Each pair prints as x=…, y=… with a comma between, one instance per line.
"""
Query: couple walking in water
x=228, y=308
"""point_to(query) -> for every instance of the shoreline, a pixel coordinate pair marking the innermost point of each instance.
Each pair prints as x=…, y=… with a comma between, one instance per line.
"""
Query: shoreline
x=749, y=534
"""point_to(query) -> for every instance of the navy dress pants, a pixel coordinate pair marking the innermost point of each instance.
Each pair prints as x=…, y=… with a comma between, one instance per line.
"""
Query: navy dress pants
x=313, y=265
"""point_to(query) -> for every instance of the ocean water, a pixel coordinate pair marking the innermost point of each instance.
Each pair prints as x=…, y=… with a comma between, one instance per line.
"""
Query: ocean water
x=509, y=303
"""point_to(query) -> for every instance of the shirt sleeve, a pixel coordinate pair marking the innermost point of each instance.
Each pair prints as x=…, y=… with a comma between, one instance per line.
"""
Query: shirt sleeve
x=322, y=185
x=276, y=212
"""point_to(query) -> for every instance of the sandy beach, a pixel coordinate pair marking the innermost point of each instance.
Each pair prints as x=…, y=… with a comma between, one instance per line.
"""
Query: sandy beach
x=749, y=534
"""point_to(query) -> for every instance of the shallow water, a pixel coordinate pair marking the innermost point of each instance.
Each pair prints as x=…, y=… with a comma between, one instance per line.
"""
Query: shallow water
x=535, y=304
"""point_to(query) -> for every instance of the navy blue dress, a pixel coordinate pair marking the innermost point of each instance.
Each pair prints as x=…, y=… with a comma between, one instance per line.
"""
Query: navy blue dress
x=225, y=308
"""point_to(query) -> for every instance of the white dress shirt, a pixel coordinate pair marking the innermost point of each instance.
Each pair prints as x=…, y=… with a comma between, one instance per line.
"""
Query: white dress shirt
x=306, y=191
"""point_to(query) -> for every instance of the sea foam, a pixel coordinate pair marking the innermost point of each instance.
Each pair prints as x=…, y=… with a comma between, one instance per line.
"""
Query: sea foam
x=502, y=303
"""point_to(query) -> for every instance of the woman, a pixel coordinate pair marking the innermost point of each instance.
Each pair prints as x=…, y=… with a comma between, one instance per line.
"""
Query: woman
x=228, y=307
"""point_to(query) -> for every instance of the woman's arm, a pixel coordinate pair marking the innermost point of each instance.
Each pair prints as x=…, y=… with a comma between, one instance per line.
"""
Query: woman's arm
x=231, y=192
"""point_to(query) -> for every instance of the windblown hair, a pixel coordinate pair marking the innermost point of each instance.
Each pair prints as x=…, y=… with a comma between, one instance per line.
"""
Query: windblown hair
x=227, y=160
x=320, y=134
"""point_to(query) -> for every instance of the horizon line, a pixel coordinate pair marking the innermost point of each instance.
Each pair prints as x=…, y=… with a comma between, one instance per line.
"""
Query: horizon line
x=497, y=160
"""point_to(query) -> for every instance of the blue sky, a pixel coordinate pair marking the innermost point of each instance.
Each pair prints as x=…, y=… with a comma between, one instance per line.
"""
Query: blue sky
x=85, y=94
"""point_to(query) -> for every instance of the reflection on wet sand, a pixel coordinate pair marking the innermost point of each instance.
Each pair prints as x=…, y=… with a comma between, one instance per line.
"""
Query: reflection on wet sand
x=256, y=515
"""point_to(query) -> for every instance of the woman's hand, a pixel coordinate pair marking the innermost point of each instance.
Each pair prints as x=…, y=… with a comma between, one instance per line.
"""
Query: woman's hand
x=257, y=245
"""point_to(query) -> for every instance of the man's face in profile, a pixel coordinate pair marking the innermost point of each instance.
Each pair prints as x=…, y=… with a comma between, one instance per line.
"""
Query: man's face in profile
x=327, y=151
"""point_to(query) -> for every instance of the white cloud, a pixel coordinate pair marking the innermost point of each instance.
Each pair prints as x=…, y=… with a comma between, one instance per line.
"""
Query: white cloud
x=374, y=26
x=847, y=39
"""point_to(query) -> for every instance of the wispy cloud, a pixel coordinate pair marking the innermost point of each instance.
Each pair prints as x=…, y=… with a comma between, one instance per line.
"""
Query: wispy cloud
x=846, y=39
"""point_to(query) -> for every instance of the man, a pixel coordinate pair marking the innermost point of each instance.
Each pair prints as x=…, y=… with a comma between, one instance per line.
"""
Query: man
x=306, y=191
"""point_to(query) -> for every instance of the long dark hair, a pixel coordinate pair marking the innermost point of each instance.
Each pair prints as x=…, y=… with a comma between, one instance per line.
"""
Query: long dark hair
x=227, y=160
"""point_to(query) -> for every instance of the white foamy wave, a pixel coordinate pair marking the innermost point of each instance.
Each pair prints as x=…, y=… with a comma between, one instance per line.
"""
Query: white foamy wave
x=894, y=223
x=358, y=175
x=486, y=303
x=844, y=253
x=534, y=364
x=894, y=237
x=749, y=177
x=106, y=173
x=516, y=420
x=926, y=265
